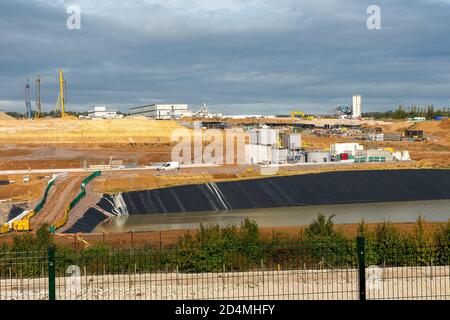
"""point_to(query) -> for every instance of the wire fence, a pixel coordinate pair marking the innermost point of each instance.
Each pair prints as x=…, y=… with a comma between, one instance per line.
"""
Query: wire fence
x=336, y=271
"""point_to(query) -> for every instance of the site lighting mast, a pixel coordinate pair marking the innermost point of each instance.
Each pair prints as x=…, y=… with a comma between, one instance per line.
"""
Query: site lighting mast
x=38, y=98
x=27, y=99
x=61, y=97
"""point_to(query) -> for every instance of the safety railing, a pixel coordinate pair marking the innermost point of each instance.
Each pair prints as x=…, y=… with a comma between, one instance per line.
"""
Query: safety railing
x=75, y=201
x=318, y=271
x=23, y=224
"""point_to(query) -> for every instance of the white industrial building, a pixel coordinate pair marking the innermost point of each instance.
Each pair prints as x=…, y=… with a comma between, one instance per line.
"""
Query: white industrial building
x=356, y=106
x=162, y=111
x=100, y=112
x=348, y=148
x=269, y=145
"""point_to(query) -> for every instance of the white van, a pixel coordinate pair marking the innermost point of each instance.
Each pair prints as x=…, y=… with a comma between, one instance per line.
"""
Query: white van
x=169, y=166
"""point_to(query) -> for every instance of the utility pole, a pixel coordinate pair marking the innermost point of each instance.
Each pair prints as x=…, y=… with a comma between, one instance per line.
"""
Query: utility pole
x=38, y=98
x=27, y=99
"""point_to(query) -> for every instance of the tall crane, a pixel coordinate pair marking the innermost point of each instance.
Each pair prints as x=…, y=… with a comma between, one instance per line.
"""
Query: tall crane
x=27, y=99
x=61, y=97
x=38, y=113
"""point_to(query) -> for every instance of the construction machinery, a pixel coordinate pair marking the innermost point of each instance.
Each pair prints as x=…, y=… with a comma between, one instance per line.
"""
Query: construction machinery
x=295, y=114
x=27, y=99
x=38, y=110
x=60, y=104
x=202, y=113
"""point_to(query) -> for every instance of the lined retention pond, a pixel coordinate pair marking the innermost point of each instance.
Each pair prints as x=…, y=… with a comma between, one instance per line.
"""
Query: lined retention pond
x=402, y=211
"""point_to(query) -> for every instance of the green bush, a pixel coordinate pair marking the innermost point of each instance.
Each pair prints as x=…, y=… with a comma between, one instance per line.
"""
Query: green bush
x=213, y=249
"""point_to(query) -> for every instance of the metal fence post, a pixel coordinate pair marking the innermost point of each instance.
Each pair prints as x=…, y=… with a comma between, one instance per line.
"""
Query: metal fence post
x=361, y=251
x=51, y=273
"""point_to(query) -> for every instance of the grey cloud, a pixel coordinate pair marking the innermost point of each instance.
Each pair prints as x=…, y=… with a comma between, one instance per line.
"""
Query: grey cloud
x=254, y=57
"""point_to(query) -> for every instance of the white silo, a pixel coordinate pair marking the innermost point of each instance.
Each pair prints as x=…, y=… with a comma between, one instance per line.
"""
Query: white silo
x=359, y=106
x=356, y=105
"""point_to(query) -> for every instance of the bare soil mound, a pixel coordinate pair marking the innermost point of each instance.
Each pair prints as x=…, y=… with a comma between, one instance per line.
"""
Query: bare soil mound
x=4, y=116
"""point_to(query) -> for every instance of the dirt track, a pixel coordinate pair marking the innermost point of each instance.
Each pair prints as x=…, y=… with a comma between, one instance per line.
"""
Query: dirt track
x=62, y=193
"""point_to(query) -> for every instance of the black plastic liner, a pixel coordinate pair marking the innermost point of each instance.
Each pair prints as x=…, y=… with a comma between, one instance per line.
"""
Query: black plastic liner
x=14, y=212
x=309, y=189
x=91, y=218
x=105, y=203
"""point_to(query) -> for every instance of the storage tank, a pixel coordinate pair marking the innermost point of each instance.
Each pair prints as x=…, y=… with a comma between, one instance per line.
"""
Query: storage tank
x=318, y=157
x=292, y=141
x=279, y=156
x=255, y=154
x=254, y=136
x=268, y=136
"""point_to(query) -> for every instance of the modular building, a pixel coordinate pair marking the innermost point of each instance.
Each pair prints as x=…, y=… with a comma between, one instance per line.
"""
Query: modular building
x=161, y=111
x=348, y=148
x=414, y=134
x=99, y=112
x=374, y=155
x=318, y=157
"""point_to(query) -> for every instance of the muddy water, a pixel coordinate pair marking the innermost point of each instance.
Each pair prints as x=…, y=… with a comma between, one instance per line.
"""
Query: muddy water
x=405, y=211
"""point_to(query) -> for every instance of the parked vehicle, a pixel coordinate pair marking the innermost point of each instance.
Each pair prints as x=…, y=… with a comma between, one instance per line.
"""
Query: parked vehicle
x=169, y=166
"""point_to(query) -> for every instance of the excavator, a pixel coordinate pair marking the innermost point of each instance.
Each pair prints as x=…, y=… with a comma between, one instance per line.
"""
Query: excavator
x=302, y=115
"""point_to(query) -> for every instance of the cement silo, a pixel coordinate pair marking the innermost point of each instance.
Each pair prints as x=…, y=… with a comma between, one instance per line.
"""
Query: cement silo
x=356, y=105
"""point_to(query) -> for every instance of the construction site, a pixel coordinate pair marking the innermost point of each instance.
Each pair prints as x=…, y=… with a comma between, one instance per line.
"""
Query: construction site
x=55, y=170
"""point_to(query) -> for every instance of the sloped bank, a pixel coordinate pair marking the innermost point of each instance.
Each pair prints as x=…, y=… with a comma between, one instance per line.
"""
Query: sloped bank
x=309, y=189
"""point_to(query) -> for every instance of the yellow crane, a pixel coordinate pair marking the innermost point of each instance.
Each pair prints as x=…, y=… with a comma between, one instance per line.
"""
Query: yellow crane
x=61, y=97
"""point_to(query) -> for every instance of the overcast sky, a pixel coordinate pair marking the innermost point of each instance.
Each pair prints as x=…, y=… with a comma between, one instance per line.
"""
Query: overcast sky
x=237, y=56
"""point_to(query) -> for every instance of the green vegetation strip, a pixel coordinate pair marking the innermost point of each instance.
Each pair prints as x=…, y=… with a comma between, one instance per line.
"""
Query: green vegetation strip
x=231, y=248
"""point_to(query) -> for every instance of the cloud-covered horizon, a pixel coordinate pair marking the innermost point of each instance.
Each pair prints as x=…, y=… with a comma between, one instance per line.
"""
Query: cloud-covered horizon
x=237, y=56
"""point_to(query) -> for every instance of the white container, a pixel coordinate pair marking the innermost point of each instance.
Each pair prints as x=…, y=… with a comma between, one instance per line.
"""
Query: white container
x=318, y=157
x=254, y=136
x=349, y=148
x=406, y=156
x=397, y=156
x=268, y=136
x=255, y=154
x=279, y=156
x=292, y=141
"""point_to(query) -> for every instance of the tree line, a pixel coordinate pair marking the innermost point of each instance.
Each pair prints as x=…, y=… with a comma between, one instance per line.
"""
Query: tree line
x=428, y=112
